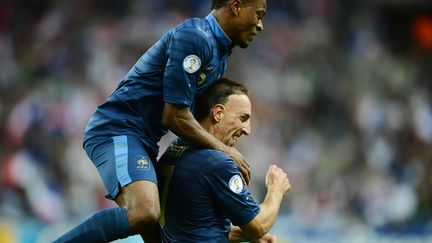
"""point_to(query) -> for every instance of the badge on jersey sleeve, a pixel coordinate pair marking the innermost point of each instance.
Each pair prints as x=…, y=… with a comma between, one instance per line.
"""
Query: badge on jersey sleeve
x=236, y=184
x=191, y=63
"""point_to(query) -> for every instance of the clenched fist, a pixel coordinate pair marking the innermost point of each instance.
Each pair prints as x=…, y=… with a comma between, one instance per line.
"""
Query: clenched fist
x=277, y=179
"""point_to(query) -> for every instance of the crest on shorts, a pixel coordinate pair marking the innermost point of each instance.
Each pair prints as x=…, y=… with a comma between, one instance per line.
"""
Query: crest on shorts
x=143, y=162
x=191, y=63
x=236, y=184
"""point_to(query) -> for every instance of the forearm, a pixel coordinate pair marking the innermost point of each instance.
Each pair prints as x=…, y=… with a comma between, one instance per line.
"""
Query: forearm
x=183, y=124
x=237, y=235
x=269, y=209
x=265, y=219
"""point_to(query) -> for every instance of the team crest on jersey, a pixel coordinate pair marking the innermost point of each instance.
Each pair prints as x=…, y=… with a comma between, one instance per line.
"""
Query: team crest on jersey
x=176, y=150
x=143, y=162
x=191, y=63
x=236, y=184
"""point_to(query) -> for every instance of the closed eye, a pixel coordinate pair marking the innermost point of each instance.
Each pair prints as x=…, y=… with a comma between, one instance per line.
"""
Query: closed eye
x=244, y=117
x=260, y=15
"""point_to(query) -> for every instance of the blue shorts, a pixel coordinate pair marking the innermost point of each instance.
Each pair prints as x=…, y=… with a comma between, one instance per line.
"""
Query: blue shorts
x=120, y=160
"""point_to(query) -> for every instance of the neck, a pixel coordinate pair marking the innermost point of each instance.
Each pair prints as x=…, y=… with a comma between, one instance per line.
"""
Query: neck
x=223, y=20
x=208, y=126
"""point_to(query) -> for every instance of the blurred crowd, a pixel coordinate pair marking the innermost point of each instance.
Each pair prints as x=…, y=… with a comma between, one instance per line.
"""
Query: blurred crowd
x=341, y=94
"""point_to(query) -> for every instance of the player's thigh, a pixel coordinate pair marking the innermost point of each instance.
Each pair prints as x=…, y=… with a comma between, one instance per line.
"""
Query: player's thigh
x=125, y=167
x=140, y=198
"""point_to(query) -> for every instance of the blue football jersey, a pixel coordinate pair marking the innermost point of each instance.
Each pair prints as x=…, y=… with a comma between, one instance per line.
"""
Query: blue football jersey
x=201, y=192
x=185, y=61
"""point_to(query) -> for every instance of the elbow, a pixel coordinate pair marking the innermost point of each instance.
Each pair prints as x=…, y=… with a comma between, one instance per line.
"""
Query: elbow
x=169, y=115
x=173, y=116
x=172, y=123
x=257, y=232
x=166, y=121
x=260, y=232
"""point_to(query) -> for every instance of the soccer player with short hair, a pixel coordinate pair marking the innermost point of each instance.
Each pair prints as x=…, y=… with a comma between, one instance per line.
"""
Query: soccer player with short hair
x=201, y=189
x=156, y=95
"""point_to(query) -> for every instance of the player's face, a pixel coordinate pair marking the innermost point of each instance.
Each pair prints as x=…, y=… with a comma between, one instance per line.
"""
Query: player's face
x=249, y=22
x=235, y=119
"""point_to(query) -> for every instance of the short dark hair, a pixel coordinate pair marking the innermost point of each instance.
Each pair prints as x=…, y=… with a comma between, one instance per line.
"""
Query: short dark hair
x=217, y=93
x=217, y=4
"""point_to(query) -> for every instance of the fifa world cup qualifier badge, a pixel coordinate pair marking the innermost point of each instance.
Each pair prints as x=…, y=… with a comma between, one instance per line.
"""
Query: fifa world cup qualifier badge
x=191, y=63
x=236, y=184
x=142, y=162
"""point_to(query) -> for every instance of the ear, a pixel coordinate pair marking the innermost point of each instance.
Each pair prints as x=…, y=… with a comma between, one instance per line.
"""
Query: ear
x=235, y=7
x=217, y=112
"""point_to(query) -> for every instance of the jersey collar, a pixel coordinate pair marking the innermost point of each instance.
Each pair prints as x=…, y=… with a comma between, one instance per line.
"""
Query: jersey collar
x=218, y=32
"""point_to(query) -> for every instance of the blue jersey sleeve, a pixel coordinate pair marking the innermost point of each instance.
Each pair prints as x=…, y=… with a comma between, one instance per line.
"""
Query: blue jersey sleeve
x=188, y=52
x=230, y=194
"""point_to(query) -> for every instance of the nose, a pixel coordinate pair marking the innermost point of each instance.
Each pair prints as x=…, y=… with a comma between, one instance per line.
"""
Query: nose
x=246, y=130
x=260, y=25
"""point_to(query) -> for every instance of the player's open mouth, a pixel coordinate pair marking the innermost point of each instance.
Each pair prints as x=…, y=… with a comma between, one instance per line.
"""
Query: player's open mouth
x=235, y=137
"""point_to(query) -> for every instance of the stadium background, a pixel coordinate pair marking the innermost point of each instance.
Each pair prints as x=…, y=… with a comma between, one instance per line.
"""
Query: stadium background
x=341, y=94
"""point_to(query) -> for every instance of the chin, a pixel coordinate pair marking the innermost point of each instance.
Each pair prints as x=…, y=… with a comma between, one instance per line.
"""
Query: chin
x=243, y=45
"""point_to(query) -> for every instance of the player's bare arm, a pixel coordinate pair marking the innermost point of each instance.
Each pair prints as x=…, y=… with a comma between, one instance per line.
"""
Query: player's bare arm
x=277, y=185
x=237, y=235
x=180, y=121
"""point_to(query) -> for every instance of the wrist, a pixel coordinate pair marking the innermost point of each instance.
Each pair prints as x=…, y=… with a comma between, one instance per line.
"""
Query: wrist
x=275, y=194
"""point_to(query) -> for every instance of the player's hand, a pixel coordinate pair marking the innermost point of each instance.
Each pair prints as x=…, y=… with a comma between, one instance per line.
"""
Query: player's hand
x=277, y=179
x=241, y=162
x=267, y=238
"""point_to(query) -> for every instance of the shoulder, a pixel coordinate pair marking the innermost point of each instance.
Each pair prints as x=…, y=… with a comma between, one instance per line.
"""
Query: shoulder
x=194, y=24
x=212, y=160
x=195, y=29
